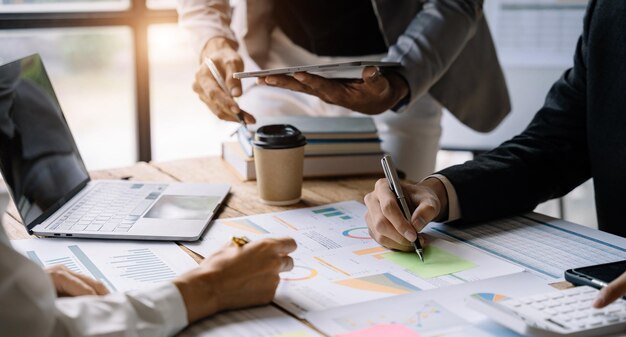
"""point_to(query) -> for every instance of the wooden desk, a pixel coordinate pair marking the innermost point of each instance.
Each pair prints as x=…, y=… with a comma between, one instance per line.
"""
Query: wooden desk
x=243, y=199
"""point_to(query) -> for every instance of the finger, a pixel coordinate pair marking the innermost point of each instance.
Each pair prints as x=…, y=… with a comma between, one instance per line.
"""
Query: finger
x=285, y=245
x=247, y=117
x=98, y=286
x=384, y=228
x=379, y=224
x=317, y=83
x=217, y=108
x=70, y=285
x=425, y=212
x=375, y=82
x=391, y=210
x=379, y=227
x=231, y=66
x=611, y=292
x=287, y=82
x=287, y=263
x=390, y=244
x=214, y=92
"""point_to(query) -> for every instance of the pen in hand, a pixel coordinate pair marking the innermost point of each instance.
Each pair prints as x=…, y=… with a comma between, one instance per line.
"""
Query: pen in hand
x=394, y=185
x=220, y=81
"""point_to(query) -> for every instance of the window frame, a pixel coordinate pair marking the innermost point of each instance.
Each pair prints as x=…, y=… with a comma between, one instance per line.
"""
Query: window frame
x=138, y=17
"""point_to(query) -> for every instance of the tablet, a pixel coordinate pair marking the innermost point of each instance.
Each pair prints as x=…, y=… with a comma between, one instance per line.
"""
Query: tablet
x=330, y=70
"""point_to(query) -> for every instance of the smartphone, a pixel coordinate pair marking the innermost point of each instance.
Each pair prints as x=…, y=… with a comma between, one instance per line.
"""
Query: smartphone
x=597, y=276
x=330, y=70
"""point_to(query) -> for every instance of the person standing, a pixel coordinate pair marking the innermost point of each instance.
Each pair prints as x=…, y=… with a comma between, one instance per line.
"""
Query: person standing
x=444, y=46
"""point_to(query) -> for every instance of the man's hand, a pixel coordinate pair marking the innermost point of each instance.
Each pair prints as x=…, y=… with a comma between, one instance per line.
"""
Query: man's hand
x=611, y=292
x=224, y=54
x=372, y=95
x=68, y=283
x=427, y=200
x=236, y=277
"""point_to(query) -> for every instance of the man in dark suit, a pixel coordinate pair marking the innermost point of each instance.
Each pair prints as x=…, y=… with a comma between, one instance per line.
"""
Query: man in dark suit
x=580, y=133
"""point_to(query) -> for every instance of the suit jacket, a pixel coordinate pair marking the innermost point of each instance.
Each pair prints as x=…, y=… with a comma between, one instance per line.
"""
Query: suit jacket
x=445, y=48
x=580, y=133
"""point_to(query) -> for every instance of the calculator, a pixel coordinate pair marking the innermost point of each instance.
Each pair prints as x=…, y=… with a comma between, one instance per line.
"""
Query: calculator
x=560, y=313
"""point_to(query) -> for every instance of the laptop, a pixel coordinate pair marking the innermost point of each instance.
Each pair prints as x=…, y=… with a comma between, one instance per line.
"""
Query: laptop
x=51, y=188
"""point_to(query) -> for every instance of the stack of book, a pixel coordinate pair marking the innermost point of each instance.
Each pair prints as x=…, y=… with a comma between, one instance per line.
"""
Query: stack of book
x=336, y=146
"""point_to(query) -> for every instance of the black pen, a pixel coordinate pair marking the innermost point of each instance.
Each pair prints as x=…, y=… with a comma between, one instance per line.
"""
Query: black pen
x=394, y=186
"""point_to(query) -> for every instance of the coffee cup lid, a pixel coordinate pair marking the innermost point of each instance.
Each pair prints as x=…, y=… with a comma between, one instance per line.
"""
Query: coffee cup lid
x=279, y=136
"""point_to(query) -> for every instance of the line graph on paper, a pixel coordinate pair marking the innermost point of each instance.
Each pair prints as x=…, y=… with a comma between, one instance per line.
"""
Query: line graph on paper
x=427, y=316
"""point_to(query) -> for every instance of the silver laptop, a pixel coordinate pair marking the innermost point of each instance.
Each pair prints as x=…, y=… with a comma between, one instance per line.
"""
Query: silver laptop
x=51, y=188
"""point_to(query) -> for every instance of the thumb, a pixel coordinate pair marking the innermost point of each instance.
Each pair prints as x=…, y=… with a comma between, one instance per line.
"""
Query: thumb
x=425, y=212
x=373, y=77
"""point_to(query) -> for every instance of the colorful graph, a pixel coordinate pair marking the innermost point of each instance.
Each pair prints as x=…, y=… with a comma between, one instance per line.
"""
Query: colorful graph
x=332, y=212
x=419, y=317
x=383, y=283
x=360, y=233
x=245, y=225
x=490, y=297
x=299, y=273
x=374, y=250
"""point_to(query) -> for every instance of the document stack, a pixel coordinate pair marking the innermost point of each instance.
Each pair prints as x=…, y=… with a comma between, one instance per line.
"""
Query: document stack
x=336, y=146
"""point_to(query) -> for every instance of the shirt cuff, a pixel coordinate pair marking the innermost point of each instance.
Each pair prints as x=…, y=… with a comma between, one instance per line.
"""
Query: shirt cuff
x=171, y=305
x=454, y=211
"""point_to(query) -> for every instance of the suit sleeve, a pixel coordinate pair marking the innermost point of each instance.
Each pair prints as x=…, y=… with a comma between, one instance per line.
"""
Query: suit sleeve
x=205, y=19
x=433, y=40
x=549, y=158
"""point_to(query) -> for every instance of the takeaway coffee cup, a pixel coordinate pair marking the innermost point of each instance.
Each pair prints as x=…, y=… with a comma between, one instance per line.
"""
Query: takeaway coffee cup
x=278, y=160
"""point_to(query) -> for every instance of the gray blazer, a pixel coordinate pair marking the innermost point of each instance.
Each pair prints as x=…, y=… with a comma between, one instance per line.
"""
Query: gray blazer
x=444, y=45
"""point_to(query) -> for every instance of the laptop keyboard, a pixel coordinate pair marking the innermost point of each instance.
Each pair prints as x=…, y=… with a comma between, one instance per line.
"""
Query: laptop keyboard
x=109, y=207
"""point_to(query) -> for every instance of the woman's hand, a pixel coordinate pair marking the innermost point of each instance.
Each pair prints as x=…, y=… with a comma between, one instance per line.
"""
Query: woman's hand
x=236, y=277
x=69, y=283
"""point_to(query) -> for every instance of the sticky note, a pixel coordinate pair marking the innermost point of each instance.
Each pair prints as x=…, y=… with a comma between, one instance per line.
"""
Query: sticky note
x=383, y=330
x=437, y=262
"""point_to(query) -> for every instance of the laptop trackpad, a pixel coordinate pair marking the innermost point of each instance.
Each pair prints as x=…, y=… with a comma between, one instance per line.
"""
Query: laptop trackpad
x=183, y=207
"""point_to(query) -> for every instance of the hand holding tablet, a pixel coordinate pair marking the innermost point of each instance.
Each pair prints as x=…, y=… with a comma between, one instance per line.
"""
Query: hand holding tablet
x=377, y=90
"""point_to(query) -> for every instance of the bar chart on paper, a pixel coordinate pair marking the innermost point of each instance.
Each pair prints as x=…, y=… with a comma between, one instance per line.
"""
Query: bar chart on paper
x=120, y=266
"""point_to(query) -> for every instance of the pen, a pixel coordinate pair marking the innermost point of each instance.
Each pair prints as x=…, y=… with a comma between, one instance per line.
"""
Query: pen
x=220, y=81
x=394, y=185
x=240, y=241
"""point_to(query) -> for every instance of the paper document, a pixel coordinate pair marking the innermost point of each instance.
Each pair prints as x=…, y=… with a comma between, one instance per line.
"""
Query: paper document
x=546, y=247
x=396, y=330
x=265, y=321
x=119, y=265
x=437, y=312
x=338, y=263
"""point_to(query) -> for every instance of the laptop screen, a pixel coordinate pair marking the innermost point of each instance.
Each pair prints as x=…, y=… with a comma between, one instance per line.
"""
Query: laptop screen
x=38, y=157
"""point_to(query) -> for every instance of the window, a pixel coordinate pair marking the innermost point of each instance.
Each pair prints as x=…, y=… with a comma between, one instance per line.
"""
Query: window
x=91, y=70
x=96, y=52
x=182, y=126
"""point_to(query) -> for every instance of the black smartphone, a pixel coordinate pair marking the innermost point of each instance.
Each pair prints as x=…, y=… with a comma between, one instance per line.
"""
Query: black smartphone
x=597, y=276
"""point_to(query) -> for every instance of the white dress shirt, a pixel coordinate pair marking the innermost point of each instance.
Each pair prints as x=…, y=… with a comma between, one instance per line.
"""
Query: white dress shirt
x=454, y=210
x=29, y=305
